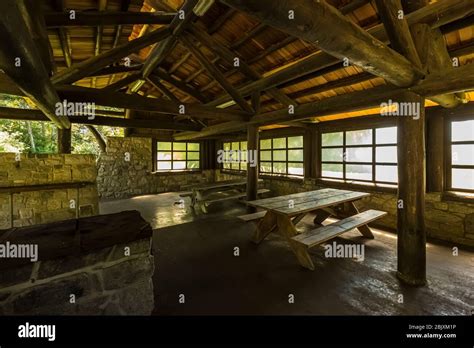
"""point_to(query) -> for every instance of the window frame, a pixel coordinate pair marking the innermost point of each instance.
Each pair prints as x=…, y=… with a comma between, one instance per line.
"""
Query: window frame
x=156, y=161
x=373, y=126
x=448, y=165
x=287, y=161
x=241, y=164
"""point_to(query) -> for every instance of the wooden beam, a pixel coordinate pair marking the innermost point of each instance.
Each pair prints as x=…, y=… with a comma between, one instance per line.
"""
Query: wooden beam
x=158, y=85
x=179, y=62
x=252, y=168
x=397, y=29
x=137, y=102
x=159, y=53
x=64, y=140
x=39, y=34
x=323, y=25
x=145, y=120
x=256, y=101
x=66, y=48
x=21, y=61
x=181, y=85
x=94, y=64
x=457, y=25
x=114, y=87
x=124, y=5
x=221, y=20
x=272, y=48
x=200, y=71
x=411, y=241
x=117, y=69
x=431, y=46
x=96, y=18
x=216, y=73
x=249, y=35
x=462, y=51
x=228, y=56
x=98, y=38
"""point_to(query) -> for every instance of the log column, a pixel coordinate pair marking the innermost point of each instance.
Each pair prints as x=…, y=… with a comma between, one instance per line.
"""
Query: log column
x=411, y=196
x=252, y=172
x=64, y=140
x=435, y=151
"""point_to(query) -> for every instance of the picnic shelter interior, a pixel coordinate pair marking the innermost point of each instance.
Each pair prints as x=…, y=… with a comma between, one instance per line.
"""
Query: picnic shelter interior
x=258, y=139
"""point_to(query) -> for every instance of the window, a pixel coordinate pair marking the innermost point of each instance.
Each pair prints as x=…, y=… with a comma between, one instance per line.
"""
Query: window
x=177, y=156
x=367, y=155
x=282, y=156
x=235, y=156
x=461, y=170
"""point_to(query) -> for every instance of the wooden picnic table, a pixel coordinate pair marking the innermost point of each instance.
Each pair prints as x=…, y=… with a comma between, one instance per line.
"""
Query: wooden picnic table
x=284, y=212
x=204, y=194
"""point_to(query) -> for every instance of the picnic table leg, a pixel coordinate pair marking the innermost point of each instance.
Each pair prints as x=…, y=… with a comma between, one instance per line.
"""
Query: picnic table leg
x=321, y=215
x=298, y=218
x=364, y=229
x=199, y=204
x=264, y=227
x=287, y=228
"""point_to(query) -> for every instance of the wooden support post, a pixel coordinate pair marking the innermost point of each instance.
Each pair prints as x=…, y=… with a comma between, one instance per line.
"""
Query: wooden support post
x=64, y=140
x=316, y=152
x=411, y=195
x=252, y=168
x=435, y=152
x=307, y=152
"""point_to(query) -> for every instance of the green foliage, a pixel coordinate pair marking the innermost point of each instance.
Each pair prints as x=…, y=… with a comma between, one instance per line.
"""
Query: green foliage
x=40, y=136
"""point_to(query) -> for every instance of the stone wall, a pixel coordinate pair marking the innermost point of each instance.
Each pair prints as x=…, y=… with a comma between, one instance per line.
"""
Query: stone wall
x=115, y=279
x=126, y=170
x=445, y=220
x=71, y=190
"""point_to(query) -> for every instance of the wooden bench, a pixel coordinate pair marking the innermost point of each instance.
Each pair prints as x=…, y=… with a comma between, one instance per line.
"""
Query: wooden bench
x=219, y=198
x=254, y=216
x=302, y=242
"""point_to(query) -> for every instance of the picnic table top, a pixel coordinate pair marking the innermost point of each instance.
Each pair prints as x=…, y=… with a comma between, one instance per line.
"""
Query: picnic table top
x=305, y=202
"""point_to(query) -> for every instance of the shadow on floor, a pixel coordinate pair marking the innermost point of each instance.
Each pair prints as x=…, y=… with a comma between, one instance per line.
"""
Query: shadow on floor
x=195, y=257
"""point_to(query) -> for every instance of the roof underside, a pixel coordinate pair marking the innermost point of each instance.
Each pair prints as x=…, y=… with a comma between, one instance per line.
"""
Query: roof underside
x=244, y=35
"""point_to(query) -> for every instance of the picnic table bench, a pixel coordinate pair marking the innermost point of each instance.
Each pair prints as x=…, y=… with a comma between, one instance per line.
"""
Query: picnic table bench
x=282, y=214
x=202, y=195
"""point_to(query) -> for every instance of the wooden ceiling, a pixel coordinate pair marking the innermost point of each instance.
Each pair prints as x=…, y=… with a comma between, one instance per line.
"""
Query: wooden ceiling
x=231, y=33
x=266, y=50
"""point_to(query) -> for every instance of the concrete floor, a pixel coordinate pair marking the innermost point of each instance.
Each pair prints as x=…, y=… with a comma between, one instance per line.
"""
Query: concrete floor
x=194, y=256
